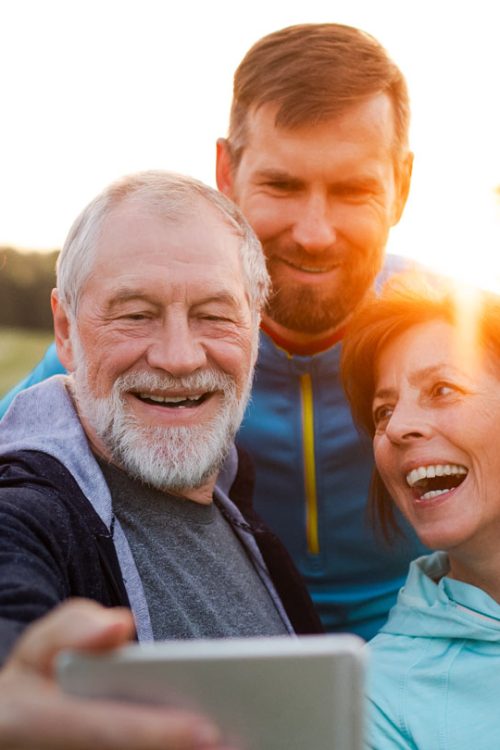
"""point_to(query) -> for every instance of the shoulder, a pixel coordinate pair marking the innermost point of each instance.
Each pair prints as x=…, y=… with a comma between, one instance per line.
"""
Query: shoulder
x=393, y=264
x=36, y=488
x=49, y=365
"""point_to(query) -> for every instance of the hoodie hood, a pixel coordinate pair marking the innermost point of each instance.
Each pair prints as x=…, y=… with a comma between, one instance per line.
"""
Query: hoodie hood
x=42, y=418
x=431, y=605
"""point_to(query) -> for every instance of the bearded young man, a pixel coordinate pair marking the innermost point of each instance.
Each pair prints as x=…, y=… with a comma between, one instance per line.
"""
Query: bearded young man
x=318, y=160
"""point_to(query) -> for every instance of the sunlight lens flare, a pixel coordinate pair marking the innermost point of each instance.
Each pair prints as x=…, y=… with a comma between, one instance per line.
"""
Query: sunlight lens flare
x=461, y=239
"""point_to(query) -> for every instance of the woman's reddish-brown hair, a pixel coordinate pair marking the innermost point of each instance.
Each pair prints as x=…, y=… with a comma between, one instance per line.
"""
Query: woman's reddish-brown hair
x=406, y=300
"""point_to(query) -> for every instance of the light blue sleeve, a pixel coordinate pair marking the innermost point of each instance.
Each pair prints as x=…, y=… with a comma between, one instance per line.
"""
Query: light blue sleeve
x=48, y=366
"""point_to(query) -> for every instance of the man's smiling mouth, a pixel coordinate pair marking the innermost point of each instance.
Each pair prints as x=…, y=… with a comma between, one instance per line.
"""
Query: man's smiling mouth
x=173, y=402
x=311, y=269
x=435, y=479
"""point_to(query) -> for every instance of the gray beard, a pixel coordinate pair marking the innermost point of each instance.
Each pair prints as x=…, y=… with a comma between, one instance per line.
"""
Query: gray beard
x=167, y=458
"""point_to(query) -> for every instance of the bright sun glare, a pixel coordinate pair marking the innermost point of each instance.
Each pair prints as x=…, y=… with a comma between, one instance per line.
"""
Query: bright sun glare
x=98, y=89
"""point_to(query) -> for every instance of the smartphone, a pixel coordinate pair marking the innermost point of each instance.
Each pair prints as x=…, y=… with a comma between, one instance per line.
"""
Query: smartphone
x=279, y=693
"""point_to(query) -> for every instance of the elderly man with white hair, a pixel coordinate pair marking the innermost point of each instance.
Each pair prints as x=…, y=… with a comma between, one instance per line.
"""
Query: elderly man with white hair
x=119, y=482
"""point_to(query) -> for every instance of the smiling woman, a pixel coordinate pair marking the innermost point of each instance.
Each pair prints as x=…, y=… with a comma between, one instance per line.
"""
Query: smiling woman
x=428, y=392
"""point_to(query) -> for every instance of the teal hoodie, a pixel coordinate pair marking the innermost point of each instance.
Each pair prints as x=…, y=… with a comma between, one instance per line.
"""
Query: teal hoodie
x=434, y=681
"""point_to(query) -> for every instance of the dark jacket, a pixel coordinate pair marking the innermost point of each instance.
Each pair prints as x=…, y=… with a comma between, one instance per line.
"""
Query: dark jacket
x=54, y=544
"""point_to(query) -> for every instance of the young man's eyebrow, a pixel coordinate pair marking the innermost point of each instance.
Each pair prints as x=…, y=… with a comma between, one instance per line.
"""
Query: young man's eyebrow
x=367, y=182
x=361, y=181
x=277, y=175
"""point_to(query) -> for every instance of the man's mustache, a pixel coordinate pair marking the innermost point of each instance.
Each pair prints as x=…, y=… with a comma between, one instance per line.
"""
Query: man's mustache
x=205, y=380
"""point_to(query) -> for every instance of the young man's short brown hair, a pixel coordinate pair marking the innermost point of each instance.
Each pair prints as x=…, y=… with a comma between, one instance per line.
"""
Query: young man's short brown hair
x=313, y=72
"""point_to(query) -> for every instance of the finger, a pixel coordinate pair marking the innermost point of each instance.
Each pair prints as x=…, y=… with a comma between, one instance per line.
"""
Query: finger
x=52, y=721
x=76, y=624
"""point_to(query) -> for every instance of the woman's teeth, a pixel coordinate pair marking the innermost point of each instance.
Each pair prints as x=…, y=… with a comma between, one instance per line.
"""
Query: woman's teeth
x=436, y=479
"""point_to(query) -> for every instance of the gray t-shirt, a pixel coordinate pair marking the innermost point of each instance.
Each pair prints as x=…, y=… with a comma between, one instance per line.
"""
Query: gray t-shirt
x=198, y=579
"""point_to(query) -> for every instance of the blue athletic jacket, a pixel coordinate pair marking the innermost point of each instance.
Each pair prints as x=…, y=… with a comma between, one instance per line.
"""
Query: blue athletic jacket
x=313, y=470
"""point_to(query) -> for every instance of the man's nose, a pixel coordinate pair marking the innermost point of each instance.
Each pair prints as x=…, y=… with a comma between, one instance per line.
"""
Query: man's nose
x=176, y=349
x=314, y=226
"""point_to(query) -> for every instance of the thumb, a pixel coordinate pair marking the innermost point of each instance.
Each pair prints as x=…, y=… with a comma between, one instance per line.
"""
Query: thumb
x=76, y=624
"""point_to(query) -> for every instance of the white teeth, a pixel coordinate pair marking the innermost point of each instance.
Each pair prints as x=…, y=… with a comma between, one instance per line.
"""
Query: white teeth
x=168, y=399
x=433, y=493
x=416, y=475
x=429, y=472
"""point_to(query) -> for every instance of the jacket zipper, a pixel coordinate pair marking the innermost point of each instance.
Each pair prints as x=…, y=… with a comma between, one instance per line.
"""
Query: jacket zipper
x=309, y=465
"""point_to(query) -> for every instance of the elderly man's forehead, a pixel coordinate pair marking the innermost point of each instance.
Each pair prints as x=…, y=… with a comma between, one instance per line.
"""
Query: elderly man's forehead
x=138, y=243
x=181, y=211
x=137, y=224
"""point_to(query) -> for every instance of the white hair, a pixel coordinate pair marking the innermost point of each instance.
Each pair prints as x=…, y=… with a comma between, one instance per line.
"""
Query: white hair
x=172, y=196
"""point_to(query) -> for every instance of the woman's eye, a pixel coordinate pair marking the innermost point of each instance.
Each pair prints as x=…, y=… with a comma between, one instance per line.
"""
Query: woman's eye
x=444, y=389
x=382, y=414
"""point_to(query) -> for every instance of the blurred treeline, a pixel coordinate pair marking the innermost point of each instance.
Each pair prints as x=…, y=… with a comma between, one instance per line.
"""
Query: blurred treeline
x=26, y=280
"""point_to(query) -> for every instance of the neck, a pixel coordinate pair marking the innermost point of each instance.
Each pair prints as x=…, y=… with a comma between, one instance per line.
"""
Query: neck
x=299, y=342
x=477, y=571
x=202, y=495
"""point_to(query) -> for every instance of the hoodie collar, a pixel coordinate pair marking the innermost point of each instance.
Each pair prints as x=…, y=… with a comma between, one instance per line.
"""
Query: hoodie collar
x=431, y=605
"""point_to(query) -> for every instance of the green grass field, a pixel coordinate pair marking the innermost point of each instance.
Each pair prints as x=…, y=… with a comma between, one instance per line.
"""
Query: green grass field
x=20, y=350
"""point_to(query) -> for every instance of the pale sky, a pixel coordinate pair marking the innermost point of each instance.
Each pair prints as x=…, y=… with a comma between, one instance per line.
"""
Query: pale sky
x=91, y=90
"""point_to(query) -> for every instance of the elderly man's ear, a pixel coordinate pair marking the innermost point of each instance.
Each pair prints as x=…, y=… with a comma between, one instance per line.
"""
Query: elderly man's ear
x=62, y=331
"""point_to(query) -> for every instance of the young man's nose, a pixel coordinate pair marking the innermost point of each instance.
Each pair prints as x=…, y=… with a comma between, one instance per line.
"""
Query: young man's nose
x=314, y=228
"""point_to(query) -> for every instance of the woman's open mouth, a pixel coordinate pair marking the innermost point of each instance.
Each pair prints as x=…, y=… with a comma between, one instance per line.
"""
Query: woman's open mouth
x=433, y=480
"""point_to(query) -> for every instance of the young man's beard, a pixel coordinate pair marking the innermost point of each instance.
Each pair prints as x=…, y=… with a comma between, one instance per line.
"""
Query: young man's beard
x=315, y=309
x=168, y=458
